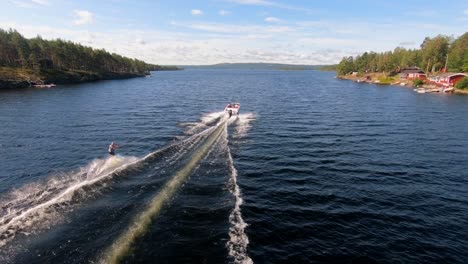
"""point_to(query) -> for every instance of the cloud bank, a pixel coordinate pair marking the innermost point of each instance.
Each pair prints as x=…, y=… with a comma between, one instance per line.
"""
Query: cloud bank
x=83, y=17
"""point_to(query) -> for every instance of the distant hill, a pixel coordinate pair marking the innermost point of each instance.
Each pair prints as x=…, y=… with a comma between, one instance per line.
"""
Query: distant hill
x=254, y=66
x=332, y=67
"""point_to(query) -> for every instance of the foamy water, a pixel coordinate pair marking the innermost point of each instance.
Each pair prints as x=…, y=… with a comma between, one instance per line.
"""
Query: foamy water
x=243, y=124
x=140, y=224
x=206, y=120
x=39, y=205
x=238, y=241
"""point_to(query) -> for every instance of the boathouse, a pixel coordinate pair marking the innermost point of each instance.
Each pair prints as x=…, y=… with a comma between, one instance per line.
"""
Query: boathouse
x=412, y=73
x=447, y=79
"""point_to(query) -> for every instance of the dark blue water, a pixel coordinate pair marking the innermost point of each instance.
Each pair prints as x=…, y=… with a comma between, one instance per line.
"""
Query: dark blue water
x=329, y=171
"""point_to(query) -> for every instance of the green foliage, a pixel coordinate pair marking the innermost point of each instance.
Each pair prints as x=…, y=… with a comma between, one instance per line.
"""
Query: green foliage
x=152, y=67
x=458, y=55
x=431, y=57
x=417, y=82
x=346, y=66
x=463, y=84
x=434, y=52
x=38, y=54
x=386, y=80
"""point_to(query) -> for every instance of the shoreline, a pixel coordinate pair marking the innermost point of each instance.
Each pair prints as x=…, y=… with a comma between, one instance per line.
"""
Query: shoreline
x=461, y=92
x=375, y=78
x=18, y=78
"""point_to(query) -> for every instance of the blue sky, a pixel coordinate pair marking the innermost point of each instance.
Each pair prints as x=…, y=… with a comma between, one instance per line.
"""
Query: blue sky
x=214, y=31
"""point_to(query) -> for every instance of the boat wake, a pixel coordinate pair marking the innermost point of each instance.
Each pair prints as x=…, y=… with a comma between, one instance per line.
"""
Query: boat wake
x=205, y=121
x=243, y=124
x=238, y=242
x=140, y=224
x=38, y=206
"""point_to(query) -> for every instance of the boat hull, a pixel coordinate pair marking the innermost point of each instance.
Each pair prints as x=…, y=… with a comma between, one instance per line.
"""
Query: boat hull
x=232, y=108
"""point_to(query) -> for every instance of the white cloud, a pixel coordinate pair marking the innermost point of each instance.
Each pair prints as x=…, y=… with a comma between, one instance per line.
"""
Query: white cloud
x=140, y=41
x=23, y=4
x=30, y=3
x=233, y=28
x=224, y=12
x=252, y=2
x=83, y=17
x=196, y=12
x=41, y=2
x=327, y=42
x=272, y=19
x=465, y=12
x=272, y=4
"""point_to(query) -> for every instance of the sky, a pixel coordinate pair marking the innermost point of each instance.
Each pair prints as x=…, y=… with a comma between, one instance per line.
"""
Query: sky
x=176, y=32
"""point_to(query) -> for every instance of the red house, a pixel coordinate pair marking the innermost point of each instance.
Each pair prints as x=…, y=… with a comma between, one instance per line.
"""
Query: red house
x=448, y=79
x=412, y=73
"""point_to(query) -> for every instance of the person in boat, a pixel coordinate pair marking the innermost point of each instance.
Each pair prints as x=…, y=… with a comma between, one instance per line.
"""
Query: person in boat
x=112, y=148
x=230, y=113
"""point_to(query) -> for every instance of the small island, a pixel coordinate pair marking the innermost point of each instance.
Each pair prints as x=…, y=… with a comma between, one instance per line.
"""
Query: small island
x=44, y=63
x=440, y=65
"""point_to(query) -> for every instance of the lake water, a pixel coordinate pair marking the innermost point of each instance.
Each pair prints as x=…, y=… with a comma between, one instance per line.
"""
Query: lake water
x=313, y=170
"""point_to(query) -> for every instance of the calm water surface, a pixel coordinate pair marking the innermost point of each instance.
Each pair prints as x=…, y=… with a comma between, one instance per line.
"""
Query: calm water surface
x=320, y=170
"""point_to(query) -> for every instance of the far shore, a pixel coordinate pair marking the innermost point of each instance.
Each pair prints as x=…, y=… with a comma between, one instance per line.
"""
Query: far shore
x=382, y=79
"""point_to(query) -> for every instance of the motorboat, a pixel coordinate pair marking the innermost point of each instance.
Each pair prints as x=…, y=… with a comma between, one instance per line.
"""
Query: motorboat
x=447, y=90
x=232, y=109
x=420, y=90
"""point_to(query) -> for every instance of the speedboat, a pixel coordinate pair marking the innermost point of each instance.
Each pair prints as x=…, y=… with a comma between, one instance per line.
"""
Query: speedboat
x=447, y=90
x=232, y=108
x=420, y=90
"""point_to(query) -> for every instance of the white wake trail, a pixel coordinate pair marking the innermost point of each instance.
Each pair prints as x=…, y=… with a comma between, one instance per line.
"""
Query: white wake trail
x=239, y=241
x=122, y=246
x=28, y=209
x=37, y=205
x=243, y=124
x=205, y=120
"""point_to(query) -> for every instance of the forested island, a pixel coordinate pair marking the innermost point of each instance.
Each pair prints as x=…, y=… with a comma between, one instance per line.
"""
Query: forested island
x=26, y=62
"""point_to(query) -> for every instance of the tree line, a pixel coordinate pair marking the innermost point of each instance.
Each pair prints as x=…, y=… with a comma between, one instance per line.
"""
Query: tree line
x=39, y=54
x=433, y=55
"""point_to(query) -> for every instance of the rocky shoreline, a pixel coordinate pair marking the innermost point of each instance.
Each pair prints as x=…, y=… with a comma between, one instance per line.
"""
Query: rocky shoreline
x=380, y=79
x=14, y=78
